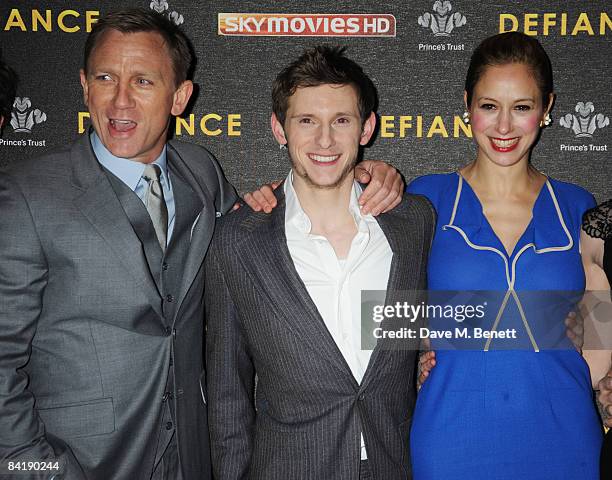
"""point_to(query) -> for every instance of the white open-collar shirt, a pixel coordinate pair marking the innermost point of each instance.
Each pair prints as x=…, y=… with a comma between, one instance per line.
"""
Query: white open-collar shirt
x=334, y=284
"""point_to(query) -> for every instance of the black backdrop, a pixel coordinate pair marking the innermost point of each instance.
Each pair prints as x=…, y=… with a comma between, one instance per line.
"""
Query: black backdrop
x=419, y=70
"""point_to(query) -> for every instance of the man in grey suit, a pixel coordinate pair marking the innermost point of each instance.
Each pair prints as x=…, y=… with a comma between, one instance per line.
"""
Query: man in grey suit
x=101, y=273
x=291, y=394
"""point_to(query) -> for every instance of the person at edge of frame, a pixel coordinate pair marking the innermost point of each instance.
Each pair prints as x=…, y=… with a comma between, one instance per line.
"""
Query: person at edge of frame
x=8, y=89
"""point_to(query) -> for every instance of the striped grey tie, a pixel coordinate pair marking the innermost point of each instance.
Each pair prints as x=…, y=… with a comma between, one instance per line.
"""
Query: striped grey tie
x=155, y=203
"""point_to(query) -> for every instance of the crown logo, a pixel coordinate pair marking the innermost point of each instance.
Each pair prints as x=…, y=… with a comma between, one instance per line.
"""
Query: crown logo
x=442, y=22
x=161, y=6
x=584, y=122
x=23, y=118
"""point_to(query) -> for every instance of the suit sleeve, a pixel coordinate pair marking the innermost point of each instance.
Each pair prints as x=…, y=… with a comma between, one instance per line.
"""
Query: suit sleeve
x=23, y=277
x=230, y=379
x=226, y=194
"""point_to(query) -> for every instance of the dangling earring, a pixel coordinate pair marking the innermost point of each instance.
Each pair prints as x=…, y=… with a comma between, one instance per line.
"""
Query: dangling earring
x=282, y=146
x=466, y=117
x=547, y=120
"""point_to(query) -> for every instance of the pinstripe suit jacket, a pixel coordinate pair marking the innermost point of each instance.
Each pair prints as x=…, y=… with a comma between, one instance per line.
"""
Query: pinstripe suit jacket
x=304, y=417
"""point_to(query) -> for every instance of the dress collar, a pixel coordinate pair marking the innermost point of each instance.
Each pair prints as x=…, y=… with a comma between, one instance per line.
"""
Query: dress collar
x=546, y=232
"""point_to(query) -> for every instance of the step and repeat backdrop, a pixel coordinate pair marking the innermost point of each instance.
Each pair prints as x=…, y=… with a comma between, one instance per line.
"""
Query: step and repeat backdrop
x=416, y=52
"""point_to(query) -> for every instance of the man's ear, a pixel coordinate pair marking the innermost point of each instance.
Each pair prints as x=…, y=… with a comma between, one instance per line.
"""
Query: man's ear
x=85, y=87
x=181, y=97
x=368, y=129
x=277, y=130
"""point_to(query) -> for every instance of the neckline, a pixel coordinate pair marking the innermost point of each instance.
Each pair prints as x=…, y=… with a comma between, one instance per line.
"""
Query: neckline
x=484, y=220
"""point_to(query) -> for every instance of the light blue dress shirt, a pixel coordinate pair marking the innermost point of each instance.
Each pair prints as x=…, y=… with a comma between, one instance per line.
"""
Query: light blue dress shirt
x=130, y=173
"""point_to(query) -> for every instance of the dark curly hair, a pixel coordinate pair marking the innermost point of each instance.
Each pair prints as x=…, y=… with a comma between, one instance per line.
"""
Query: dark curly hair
x=319, y=66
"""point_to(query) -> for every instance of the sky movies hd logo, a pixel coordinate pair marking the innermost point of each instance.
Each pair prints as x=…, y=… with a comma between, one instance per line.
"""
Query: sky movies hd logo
x=306, y=25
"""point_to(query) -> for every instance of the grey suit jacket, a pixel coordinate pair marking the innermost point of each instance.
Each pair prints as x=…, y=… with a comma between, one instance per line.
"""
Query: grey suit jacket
x=84, y=348
x=304, y=417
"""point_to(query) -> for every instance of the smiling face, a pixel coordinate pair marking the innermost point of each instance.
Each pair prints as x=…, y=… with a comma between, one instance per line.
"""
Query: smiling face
x=130, y=92
x=506, y=113
x=323, y=132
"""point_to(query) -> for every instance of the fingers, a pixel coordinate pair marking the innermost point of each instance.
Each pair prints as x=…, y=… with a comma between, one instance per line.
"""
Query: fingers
x=574, y=324
x=427, y=361
x=398, y=187
x=361, y=174
x=421, y=380
x=262, y=199
x=384, y=190
x=236, y=206
x=250, y=200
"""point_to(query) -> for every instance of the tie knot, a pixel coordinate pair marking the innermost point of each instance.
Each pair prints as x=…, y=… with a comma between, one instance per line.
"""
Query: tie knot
x=151, y=172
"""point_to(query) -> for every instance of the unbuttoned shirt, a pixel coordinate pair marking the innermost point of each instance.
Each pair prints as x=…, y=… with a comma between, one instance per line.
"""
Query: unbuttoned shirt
x=335, y=284
x=130, y=172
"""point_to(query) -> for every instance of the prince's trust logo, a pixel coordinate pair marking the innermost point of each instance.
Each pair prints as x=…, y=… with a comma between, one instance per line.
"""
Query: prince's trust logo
x=584, y=122
x=441, y=22
x=23, y=117
x=161, y=6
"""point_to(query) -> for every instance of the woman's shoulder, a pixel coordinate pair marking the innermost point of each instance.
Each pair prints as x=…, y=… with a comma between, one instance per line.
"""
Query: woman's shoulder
x=571, y=190
x=433, y=186
x=573, y=196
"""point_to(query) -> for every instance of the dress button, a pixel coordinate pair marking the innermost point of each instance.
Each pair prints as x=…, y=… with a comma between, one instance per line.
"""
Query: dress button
x=164, y=266
x=169, y=298
x=362, y=397
x=168, y=330
x=169, y=426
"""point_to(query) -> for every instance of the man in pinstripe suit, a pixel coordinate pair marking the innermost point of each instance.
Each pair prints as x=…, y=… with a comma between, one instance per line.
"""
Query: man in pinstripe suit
x=283, y=300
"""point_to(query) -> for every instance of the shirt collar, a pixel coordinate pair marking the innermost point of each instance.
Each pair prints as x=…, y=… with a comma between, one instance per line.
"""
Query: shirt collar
x=128, y=171
x=296, y=217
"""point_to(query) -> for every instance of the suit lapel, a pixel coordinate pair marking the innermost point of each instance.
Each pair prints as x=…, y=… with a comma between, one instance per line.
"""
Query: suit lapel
x=202, y=226
x=98, y=202
x=266, y=258
x=402, y=238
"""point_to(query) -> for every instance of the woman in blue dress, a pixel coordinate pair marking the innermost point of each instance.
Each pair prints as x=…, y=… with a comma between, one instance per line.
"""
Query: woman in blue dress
x=504, y=226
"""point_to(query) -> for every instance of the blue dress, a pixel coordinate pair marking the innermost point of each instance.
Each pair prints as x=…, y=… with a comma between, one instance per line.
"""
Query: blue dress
x=512, y=414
